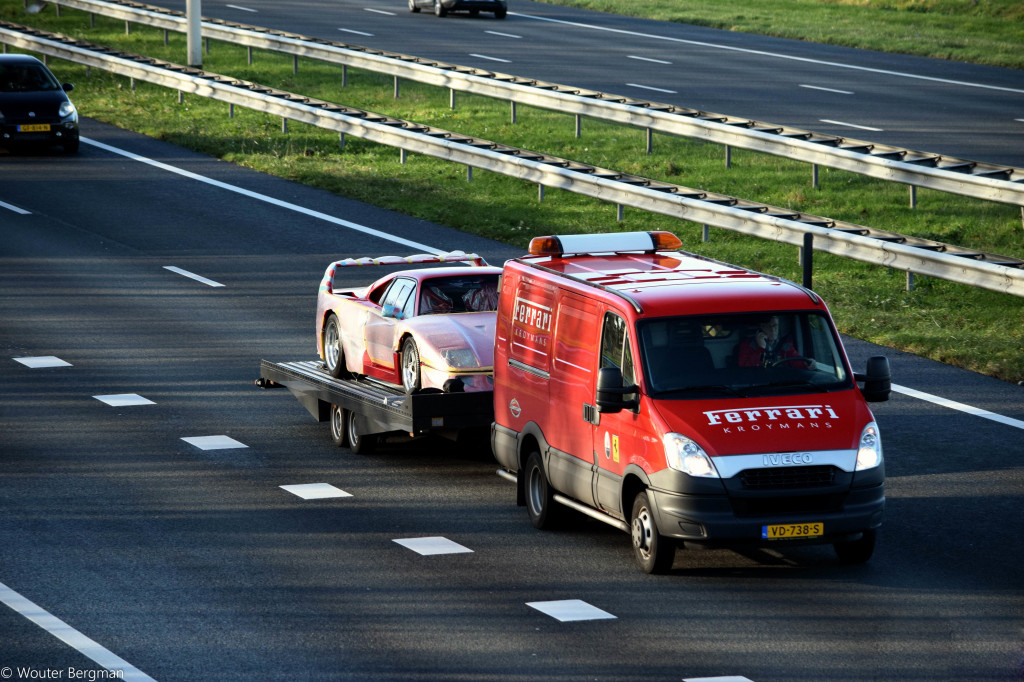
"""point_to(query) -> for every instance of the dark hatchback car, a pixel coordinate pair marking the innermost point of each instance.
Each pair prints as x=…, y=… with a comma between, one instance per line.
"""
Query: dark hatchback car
x=34, y=106
x=443, y=7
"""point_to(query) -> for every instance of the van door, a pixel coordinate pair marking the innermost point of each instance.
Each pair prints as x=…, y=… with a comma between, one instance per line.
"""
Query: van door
x=617, y=438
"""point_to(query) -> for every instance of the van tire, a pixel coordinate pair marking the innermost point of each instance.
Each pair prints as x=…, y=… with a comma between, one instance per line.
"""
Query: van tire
x=339, y=426
x=653, y=552
x=857, y=551
x=540, y=500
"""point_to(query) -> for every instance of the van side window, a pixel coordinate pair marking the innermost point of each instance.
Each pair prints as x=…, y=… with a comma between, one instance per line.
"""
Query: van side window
x=615, y=351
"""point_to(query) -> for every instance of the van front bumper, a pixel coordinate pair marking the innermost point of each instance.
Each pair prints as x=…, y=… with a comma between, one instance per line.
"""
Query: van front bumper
x=713, y=521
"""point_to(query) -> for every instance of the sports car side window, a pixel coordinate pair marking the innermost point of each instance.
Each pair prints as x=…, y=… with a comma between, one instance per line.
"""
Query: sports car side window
x=398, y=295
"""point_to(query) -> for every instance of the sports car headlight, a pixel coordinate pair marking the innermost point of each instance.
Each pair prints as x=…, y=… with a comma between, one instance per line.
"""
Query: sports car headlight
x=682, y=454
x=869, y=454
x=459, y=357
x=67, y=110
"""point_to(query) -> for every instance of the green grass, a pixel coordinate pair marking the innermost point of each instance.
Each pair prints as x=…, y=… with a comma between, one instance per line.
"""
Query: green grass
x=978, y=330
x=977, y=31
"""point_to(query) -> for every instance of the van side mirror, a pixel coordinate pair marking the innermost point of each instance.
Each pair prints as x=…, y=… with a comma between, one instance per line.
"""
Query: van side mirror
x=877, y=380
x=611, y=393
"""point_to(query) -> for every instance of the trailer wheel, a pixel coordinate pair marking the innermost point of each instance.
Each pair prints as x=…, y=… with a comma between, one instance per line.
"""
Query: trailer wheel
x=338, y=434
x=359, y=443
x=334, y=354
x=413, y=7
x=653, y=552
x=410, y=366
x=439, y=9
x=540, y=500
x=857, y=551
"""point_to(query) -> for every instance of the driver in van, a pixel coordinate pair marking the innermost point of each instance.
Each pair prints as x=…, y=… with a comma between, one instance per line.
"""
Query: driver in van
x=766, y=349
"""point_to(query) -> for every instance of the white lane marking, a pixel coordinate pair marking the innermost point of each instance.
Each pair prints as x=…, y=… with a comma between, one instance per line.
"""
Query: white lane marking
x=214, y=442
x=726, y=678
x=262, y=197
x=493, y=59
x=818, y=87
x=72, y=637
x=850, y=125
x=953, y=405
x=12, y=207
x=379, y=11
x=124, y=400
x=37, y=361
x=777, y=55
x=570, y=610
x=648, y=59
x=315, y=491
x=648, y=87
x=192, y=275
x=433, y=545
x=358, y=33
x=503, y=35
x=244, y=9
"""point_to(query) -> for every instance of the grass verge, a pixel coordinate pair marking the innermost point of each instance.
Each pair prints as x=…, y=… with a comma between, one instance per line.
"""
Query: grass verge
x=974, y=329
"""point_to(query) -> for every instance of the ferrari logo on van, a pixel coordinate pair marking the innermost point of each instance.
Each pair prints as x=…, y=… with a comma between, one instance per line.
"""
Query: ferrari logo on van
x=611, y=447
x=530, y=314
x=781, y=418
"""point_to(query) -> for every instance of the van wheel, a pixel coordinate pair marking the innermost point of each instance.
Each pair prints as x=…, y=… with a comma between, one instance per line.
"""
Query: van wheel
x=338, y=426
x=857, y=551
x=652, y=551
x=334, y=354
x=410, y=366
x=359, y=443
x=539, y=497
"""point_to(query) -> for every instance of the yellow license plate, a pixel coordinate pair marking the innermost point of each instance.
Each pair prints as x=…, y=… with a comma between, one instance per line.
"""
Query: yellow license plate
x=35, y=128
x=792, y=530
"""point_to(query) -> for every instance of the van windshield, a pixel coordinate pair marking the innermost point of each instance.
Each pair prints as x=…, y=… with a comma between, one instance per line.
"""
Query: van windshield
x=748, y=354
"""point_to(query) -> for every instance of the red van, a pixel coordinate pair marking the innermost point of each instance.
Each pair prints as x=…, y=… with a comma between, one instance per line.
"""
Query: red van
x=682, y=400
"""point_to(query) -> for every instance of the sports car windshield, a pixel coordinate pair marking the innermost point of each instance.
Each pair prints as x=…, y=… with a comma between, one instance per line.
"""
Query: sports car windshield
x=741, y=355
x=462, y=294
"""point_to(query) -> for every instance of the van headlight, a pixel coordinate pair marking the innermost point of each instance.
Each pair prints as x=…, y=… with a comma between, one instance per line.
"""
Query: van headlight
x=682, y=454
x=869, y=454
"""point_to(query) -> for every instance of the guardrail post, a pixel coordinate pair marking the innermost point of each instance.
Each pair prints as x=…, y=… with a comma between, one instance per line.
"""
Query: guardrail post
x=401, y=156
x=341, y=140
x=706, y=236
x=295, y=64
x=540, y=192
x=910, y=281
x=728, y=156
x=469, y=173
x=284, y=125
x=127, y=26
x=451, y=98
x=619, y=212
x=814, y=175
x=207, y=43
x=913, y=196
x=181, y=97
x=92, y=19
x=513, y=103
x=231, y=110
x=650, y=141
x=578, y=125
x=167, y=37
x=344, y=75
x=807, y=258
x=396, y=88
x=248, y=54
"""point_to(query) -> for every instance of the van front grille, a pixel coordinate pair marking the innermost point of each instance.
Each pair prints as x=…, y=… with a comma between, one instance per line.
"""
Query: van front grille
x=787, y=477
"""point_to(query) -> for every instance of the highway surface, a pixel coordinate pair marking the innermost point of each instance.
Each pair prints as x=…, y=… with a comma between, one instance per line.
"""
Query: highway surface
x=957, y=109
x=145, y=530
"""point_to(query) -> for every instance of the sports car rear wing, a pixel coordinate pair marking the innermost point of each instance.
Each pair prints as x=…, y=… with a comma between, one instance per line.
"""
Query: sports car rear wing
x=327, y=284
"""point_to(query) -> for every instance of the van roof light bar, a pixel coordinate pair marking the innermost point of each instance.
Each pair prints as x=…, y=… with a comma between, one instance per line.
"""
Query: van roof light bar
x=615, y=242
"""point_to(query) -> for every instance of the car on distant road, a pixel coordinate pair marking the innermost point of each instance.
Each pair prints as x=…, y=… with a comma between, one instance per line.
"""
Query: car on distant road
x=34, y=106
x=426, y=329
x=443, y=7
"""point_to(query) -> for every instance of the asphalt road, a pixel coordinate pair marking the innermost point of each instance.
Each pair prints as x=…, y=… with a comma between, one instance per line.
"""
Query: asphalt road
x=166, y=560
x=952, y=108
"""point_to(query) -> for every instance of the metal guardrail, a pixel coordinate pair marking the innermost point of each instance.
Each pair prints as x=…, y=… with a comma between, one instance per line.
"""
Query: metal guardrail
x=1004, y=184
x=891, y=250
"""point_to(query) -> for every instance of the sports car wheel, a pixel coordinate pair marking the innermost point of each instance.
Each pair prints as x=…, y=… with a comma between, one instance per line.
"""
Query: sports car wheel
x=338, y=426
x=359, y=443
x=410, y=366
x=652, y=552
x=413, y=7
x=334, y=355
x=439, y=9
